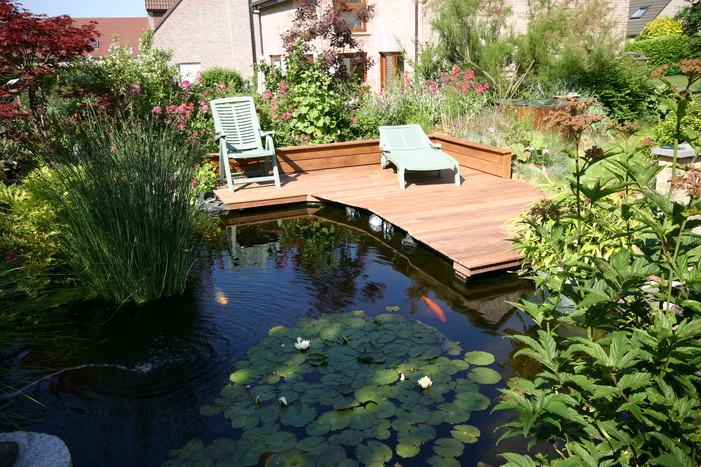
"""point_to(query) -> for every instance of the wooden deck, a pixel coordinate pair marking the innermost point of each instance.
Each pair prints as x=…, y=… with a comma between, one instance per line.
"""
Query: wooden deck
x=467, y=224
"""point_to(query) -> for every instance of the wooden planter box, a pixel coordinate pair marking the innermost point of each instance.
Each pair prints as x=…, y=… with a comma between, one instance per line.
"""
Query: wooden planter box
x=488, y=159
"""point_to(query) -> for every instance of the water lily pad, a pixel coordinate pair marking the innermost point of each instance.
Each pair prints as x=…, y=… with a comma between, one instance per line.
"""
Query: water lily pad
x=451, y=347
x=478, y=357
x=244, y=376
x=465, y=433
x=454, y=414
x=370, y=392
x=265, y=392
x=290, y=457
x=317, y=359
x=384, y=377
x=331, y=334
x=448, y=447
x=316, y=445
x=373, y=452
x=382, y=409
x=439, y=461
x=472, y=401
x=415, y=414
x=279, y=441
x=484, y=375
x=297, y=415
x=407, y=450
x=417, y=434
x=220, y=449
x=336, y=420
x=348, y=437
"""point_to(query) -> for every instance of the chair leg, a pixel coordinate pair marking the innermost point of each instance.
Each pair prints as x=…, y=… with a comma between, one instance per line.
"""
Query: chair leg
x=276, y=172
x=400, y=174
x=227, y=171
x=457, y=176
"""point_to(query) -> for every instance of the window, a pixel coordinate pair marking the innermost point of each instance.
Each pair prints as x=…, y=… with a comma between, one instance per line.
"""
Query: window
x=353, y=69
x=276, y=61
x=96, y=45
x=188, y=71
x=641, y=11
x=391, y=66
x=350, y=16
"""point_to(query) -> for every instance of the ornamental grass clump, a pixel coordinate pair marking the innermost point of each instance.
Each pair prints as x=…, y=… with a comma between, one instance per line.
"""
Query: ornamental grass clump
x=123, y=199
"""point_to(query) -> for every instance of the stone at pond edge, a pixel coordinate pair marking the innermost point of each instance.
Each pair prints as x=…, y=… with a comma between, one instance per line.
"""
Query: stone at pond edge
x=9, y=451
x=39, y=449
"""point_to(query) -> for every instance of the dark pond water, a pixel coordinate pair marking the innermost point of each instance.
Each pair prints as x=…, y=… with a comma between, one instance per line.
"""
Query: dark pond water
x=126, y=385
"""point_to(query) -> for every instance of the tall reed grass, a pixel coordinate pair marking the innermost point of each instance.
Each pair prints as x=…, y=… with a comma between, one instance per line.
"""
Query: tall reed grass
x=123, y=200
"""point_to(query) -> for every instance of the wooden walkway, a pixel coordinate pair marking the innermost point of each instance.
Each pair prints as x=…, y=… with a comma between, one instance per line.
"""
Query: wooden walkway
x=468, y=224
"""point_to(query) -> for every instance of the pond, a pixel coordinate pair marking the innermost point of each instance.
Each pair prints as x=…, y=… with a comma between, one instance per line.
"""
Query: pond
x=124, y=387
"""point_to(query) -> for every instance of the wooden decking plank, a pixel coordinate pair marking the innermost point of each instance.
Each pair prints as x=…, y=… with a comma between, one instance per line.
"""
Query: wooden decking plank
x=468, y=224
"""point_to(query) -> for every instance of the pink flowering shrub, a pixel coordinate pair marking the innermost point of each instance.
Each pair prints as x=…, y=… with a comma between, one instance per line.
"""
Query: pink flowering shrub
x=426, y=102
x=191, y=115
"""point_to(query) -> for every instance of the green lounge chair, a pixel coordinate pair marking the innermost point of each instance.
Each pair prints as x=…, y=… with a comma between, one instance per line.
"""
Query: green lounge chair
x=408, y=148
x=238, y=131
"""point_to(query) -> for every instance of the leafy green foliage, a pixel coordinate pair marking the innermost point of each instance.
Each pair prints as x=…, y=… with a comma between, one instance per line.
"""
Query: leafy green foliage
x=664, y=50
x=303, y=104
x=362, y=398
x=660, y=27
x=231, y=78
x=617, y=335
x=665, y=132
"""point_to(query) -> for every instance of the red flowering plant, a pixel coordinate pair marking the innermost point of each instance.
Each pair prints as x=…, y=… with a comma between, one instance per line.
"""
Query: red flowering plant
x=452, y=95
x=191, y=115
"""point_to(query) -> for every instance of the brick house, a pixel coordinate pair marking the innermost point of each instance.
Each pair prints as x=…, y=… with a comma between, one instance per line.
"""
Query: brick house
x=204, y=33
x=237, y=33
x=391, y=36
x=128, y=30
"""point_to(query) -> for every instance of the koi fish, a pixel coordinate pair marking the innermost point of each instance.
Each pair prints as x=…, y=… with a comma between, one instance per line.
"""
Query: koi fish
x=220, y=297
x=435, y=309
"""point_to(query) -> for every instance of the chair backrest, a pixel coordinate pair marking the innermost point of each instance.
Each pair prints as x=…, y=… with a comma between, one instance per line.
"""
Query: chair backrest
x=403, y=138
x=236, y=118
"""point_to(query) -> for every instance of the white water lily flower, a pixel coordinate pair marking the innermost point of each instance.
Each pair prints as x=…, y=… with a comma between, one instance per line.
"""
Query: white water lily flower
x=425, y=382
x=302, y=344
x=402, y=377
x=283, y=401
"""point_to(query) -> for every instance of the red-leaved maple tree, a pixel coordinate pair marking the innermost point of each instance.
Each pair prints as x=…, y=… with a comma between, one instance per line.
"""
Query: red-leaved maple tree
x=32, y=47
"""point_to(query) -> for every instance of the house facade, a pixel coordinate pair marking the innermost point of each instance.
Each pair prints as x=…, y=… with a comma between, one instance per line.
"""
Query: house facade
x=204, y=33
x=237, y=33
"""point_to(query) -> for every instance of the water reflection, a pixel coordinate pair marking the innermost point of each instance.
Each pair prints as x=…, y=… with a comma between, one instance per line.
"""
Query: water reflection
x=139, y=374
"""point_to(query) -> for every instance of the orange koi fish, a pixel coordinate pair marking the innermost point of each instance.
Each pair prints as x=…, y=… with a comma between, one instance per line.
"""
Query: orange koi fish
x=220, y=297
x=435, y=309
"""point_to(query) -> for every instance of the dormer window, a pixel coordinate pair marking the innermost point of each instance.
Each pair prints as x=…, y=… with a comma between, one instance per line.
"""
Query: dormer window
x=641, y=11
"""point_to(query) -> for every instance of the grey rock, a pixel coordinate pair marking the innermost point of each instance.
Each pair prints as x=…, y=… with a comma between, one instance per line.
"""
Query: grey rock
x=9, y=451
x=39, y=449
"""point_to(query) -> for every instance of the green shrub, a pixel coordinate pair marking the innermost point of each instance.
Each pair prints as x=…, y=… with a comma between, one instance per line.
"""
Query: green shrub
x=124, y=199
x=665, y=131
x=231, y=78
x=622, y=86
x=666, y=50
x=660, y=27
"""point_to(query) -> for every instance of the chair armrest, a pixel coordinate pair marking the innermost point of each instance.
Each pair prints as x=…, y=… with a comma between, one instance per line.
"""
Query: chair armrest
x=269, y=143
x=218, y=136
x=436, y=145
